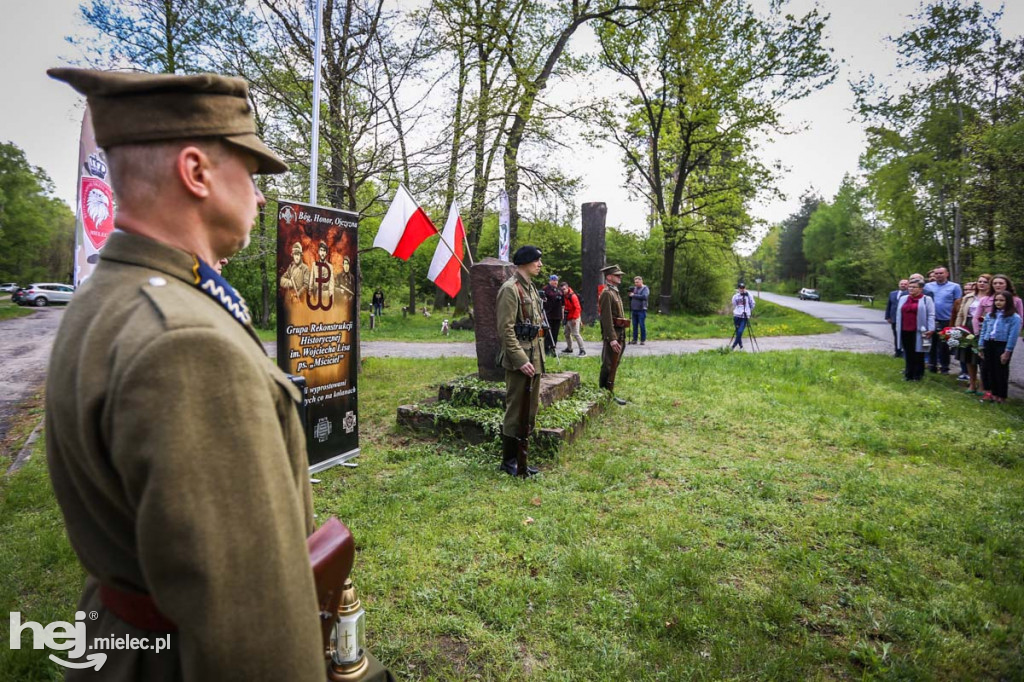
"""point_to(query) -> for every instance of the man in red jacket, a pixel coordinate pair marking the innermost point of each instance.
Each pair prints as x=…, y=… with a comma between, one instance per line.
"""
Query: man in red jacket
x=572, y=319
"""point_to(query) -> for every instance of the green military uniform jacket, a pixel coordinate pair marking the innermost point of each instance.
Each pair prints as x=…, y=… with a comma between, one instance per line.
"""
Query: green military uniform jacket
x=609, y=306
x=179, y=462
x=515, y=353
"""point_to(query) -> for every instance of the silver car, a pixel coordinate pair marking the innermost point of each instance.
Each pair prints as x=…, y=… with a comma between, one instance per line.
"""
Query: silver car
x=45, y=293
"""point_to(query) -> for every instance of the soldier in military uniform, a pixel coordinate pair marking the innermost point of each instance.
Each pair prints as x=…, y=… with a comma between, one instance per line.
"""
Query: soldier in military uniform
x=613, y=328
x=520, y=315
x=296, y=277
x=174, y=443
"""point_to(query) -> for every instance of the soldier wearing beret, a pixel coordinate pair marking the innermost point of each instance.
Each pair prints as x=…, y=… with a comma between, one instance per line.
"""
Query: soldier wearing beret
x=613, y=328
x=520, y=322
x=174, y=444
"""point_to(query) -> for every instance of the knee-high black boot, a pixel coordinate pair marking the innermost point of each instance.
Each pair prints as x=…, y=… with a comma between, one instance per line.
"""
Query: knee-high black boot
x=510, y=457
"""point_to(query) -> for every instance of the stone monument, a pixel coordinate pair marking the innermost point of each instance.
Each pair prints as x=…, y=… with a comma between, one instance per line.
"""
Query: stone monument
x=592, y=256
x=486, y=277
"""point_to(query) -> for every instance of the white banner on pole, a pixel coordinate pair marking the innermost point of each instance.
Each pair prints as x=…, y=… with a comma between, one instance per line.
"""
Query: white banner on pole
x=503, y=221
x=95, y=206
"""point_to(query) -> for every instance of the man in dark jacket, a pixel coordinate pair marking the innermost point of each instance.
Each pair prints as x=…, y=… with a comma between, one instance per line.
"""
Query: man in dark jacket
x=553, y=307
x=890, y=315
x=638, y=295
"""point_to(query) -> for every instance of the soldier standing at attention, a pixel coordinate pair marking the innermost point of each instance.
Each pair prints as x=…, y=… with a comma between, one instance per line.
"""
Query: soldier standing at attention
x=519, y=313
x=613, y=327
x=174, y=443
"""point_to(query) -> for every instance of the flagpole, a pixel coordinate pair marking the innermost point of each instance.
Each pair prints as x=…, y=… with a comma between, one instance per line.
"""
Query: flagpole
x=314, y=161
x=445, y=242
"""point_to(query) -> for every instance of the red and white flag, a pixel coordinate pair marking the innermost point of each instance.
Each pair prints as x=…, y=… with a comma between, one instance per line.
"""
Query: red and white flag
x=446, y=267
x=405, y=226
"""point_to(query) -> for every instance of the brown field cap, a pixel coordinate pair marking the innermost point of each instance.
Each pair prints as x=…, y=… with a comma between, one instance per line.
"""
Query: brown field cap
x=132, y=107
x=611, y=270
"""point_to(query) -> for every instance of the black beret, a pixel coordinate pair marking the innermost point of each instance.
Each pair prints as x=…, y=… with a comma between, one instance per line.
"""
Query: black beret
x=526, y=254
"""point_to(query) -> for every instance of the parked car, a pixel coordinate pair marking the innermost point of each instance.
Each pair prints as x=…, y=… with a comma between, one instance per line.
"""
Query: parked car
x=18, y=293
x=809, y=295
x=9, y=287
x=44, y=293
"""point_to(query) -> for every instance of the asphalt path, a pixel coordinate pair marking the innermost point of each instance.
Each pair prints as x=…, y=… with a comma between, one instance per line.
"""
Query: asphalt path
x=25, y=351
x=25, y=344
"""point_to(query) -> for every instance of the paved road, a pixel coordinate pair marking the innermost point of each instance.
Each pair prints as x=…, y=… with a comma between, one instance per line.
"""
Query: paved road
x=25, y=345
x=25, y=348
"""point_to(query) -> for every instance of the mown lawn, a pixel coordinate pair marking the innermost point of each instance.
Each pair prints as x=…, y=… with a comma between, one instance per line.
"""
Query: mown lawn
x=769, y=320
x=9, y=310
x=791, y=516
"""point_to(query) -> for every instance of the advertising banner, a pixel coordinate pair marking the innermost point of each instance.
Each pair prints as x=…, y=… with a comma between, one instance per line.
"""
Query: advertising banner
x=95, y=206
x=504, y=218
x=317, y=311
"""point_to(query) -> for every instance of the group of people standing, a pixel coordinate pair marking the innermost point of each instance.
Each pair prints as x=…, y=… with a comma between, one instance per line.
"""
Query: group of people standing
x=562, y=304
x=988, y=308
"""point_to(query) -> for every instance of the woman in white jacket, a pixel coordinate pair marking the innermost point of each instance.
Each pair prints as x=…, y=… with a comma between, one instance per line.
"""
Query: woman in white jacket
x=915, y=318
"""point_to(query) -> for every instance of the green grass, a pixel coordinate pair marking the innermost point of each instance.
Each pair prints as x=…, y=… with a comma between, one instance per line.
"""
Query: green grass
x=10, y=310
x=776, y=516
x=769, y=320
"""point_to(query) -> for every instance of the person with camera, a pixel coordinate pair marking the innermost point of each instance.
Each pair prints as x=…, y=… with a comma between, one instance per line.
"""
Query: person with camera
x=551, y=296
x=638, y=295
x=742, y=309
x=520, y=321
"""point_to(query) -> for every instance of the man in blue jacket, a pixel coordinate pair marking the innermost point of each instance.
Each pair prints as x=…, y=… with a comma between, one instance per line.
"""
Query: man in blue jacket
x=890, y=315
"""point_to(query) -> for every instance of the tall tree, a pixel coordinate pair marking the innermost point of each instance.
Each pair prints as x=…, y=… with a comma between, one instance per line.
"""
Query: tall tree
x=36, y=230
x=704, y=78
x=921, y=133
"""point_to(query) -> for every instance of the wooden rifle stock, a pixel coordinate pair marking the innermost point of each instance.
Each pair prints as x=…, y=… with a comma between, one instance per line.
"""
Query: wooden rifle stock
x=332, y=551
x=615, y=360
x=525, y=429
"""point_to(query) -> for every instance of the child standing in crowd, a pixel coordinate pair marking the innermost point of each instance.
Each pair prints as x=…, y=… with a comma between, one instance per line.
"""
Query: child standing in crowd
x=998, y=338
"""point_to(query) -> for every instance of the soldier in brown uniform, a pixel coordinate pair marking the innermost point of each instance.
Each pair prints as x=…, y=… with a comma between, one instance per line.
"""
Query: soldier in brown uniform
x=174, y=444
x=613, y=328
x=520, y=319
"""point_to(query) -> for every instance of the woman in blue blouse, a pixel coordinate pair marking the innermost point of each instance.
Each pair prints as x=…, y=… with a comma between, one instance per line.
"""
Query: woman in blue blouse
x=998, y=338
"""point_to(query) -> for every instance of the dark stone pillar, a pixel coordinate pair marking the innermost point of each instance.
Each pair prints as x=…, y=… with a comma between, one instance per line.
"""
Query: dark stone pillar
x=592, y=256
x=487, y=276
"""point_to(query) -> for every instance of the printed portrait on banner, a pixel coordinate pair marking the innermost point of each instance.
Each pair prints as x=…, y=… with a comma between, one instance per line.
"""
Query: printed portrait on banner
x=317, y=312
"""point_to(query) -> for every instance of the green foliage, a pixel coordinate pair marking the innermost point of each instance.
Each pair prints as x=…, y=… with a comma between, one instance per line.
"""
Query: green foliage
x=843, y=248
x=767, y=516
x=36, y=230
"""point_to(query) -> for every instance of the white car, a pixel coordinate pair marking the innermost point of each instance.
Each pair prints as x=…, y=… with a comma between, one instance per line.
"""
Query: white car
x=45, y=293
x=9, y=287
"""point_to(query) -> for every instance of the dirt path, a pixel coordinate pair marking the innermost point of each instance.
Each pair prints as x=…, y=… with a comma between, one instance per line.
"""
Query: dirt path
x=24, y=353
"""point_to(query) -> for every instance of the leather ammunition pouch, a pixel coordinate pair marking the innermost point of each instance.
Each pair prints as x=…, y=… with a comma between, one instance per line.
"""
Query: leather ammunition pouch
x=620, y=322
x=525, y=331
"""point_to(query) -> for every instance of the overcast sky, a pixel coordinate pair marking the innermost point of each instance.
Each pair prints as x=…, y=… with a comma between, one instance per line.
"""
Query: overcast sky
x=43, y=117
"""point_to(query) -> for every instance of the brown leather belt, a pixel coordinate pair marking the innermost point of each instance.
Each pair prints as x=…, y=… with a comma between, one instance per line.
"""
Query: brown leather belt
x=136, y=608
x=620, y=322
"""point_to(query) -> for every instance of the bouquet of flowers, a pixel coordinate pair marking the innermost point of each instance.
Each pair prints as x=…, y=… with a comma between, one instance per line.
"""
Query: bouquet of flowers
x=959, y=337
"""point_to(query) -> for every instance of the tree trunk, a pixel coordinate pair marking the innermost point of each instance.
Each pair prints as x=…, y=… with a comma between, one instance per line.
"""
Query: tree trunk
x=667, y=269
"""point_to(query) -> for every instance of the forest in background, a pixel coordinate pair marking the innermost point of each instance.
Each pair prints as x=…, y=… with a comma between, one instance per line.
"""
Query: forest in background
x=460, y=99
x=940, y=180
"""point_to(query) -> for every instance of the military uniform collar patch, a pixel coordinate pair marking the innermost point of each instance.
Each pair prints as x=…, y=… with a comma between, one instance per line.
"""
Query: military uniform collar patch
x=216, y=287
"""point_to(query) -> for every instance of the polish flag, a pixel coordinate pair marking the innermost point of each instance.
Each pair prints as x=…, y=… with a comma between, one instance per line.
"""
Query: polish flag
x=446, y=267
x=405, y=226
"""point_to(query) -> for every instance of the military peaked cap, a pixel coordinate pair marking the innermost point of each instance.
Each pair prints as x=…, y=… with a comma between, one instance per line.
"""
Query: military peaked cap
x=611, y=270
x=131, y=108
